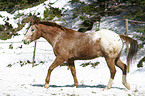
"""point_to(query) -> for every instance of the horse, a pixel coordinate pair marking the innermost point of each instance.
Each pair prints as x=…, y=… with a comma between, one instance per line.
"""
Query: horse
x=70, y=45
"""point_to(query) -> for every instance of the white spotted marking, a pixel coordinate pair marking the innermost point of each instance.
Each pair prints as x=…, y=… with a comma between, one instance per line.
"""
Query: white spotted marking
x=110, y=42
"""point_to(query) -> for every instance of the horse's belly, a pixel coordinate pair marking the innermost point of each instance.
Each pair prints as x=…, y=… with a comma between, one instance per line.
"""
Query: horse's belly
x=88, y=55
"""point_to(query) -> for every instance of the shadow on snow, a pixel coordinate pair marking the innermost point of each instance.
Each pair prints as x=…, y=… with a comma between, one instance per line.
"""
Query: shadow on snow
x=79, y=86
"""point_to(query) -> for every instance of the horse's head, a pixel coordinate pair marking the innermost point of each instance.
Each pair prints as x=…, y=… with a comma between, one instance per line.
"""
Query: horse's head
x=33, y=33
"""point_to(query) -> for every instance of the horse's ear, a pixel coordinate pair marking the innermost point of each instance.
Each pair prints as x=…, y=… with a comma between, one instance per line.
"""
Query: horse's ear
x=35, y=20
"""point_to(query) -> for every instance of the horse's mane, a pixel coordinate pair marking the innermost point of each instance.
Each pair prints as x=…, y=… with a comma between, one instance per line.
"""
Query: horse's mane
x=36, y=20
x=48, y=23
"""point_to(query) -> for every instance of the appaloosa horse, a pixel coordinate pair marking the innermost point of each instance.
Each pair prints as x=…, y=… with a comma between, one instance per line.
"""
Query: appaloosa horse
x=69, y=45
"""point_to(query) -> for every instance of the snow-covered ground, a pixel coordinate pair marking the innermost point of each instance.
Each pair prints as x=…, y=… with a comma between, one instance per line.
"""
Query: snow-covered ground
x=28, y=81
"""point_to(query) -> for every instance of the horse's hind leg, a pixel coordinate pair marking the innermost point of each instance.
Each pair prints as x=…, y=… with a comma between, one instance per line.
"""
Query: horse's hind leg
x=58, y=60
x=111, y=65
x=73, y=71
x=123, y=67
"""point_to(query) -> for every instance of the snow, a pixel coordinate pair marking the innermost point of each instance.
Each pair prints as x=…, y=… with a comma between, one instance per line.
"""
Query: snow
x=5, y=14
x=28, y=81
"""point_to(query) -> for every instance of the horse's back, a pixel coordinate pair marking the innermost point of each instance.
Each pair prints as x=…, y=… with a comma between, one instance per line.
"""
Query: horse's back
x=110, y=42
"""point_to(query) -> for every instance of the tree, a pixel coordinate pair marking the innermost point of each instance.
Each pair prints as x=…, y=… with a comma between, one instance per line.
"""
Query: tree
x=9, y=5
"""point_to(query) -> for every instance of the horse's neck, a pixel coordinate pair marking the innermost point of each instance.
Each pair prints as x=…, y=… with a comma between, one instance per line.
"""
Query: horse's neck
x=51, y=34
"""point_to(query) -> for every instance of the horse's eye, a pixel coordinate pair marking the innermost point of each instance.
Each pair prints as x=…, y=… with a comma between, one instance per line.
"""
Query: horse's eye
x=32, y=30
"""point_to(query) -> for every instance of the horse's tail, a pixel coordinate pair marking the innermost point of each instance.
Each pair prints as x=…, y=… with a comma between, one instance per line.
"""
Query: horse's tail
x=132, y=50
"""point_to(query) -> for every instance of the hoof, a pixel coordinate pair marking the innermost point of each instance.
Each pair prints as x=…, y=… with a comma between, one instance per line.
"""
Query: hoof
x=46, y=85
x=76, y=85
x=106, y=88
x=127, y=86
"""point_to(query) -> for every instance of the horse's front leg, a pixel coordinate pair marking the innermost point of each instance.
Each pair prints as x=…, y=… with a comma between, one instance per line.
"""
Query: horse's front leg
x=58, y=61
x=73, y=71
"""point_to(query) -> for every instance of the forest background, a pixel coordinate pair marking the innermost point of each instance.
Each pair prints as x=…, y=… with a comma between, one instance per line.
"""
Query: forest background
x=89, y=13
